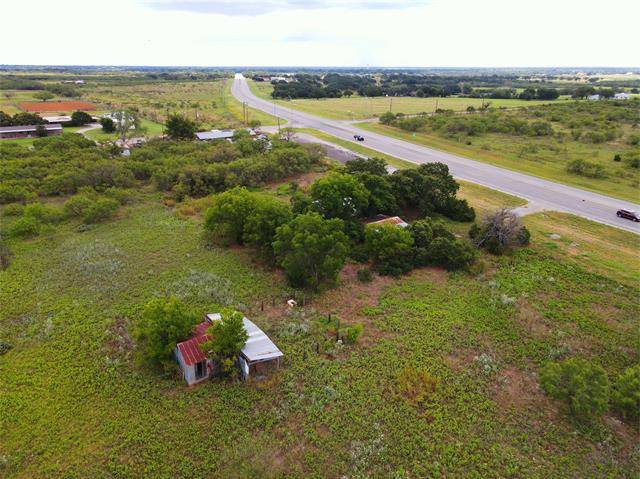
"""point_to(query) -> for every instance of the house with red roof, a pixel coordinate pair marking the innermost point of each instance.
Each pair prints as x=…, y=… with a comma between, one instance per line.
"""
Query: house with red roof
x=258, y=355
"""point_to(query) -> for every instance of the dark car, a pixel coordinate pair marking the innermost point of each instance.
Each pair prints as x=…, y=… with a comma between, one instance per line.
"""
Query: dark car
x=358, y=137
x=630, y=215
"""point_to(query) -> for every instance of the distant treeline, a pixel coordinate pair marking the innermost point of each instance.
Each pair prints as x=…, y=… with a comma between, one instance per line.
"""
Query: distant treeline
x=336, y=85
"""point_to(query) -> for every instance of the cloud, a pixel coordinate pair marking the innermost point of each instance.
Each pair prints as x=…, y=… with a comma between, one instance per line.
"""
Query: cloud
x=255, y=8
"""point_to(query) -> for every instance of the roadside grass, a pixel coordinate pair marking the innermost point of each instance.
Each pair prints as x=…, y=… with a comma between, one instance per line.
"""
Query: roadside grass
x=360, y=108
x=73, y=402
x=609, y=251
x=548, y=160
x=235, y=107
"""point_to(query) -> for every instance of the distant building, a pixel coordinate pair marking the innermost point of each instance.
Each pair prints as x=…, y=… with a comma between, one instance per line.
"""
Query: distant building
x=388, y=220
x=593, y=97
x=621, y=96
x=258, y=355
x=220, y=134
x=28, y=131
x=57, y=119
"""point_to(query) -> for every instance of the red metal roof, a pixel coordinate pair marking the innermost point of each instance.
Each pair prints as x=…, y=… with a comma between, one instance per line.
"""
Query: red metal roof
x=190, y=349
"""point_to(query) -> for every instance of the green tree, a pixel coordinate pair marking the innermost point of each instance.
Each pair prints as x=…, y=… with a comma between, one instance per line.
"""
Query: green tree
x=164, y=322
x=625, y=397
x=43, y=95
x=583, y=386
x=387, y=118
x=127, y=122
x=229, y=212
x=451, y=254
x=79, y=118
x=375, y=166
x=179, y=127
x=108, y=126
x=390, y=248
x=261, y=225
x=381, y=198
x=311, y=249
x=228, y=337
x=339, y=196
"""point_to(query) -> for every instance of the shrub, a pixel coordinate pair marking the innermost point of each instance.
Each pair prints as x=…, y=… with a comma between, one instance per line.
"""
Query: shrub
x=311, y=249
x=451, y=254
x=13, y=209
x=79, y=118
x=42, y=212
x=583, y=386
x=13, y=193
x=586, y=168
x=77, y=205
x=108, y=125
x=102, y=209
x=374, y=166
x=625, y=396
x=459, y=210
x=353, y=332
x=499, y=232
x=164, y=323
x=261, y=224
x=365, y=275
x=339, y=196
x=416, y=385
x=390, y=248
x=25, y=227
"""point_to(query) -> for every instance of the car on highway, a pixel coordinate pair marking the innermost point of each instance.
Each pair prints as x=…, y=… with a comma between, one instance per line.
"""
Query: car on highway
x=628, y=214
x=358, y=137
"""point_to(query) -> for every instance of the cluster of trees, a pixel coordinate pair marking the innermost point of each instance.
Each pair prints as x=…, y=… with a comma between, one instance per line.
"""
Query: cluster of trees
x=449, y=124
x=311, y=238
x=332, y=85
x=587, y=391
x=61, y=165
x=36, y=218
x=20, y=119
x=529, y=93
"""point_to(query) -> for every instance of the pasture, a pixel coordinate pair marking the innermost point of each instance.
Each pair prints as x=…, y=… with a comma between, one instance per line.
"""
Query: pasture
x=73, y=401
x=361, y=108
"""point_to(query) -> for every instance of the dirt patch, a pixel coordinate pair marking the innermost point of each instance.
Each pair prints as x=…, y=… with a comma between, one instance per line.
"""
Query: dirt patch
x=65, y=106
x=461, y=359
x=119, y=342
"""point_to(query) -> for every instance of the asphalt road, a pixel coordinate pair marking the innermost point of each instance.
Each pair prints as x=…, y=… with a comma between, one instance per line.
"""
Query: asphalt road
x=541, y=194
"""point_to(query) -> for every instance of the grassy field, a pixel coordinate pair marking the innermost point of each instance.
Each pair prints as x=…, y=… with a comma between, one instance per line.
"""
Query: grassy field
x=544, y=157
x=210, y=102
x=360, y=108
x=149, y=128
x=73, y=402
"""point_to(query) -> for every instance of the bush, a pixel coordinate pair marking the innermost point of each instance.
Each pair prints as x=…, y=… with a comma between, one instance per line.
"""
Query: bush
x=390, y=248
x=459, y=210
x=352, y=333
x=13, y=209
x=583, y=386
x=625, y=396
x=42, y=212
x=13, y=193
x=374, y=166
x=163, y=323
x=79, y=118
x=365, y=275
x=102, y=209
x=339, y=196
x=586, y=168
x=77, y=205
x=228, y=338
x=25, y=227
x=451, y=254
x=499, y=232
x=416, y=385
x=108, y=125
x=261, y=224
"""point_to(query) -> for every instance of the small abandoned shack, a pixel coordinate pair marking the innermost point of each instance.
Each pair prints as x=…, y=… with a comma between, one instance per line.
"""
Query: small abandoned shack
x=258, y=356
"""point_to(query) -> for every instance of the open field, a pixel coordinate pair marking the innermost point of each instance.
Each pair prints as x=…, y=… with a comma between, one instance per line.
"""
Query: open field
x=539, y=156
x=71, y=391
x=211, y=103
x=360, y=108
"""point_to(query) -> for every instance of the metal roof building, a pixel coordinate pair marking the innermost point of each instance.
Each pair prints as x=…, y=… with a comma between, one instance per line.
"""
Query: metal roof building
x=29, y=131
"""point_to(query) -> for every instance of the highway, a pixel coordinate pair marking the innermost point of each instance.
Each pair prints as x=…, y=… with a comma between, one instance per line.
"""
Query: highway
x=541, y=194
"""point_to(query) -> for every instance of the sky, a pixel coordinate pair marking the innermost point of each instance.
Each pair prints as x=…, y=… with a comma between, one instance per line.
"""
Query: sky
x=384, y=33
